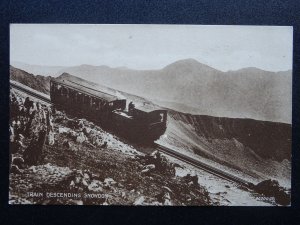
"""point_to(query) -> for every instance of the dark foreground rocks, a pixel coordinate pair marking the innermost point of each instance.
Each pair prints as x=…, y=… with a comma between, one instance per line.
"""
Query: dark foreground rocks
x=60, y=160
x=271, y=188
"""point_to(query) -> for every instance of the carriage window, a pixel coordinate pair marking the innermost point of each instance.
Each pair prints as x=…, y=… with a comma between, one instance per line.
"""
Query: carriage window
x=62, y=91
x=72, y=94
x=78, y=97
x=86, y=99
x=67, y=92
x=94, y=103
x=161, y=117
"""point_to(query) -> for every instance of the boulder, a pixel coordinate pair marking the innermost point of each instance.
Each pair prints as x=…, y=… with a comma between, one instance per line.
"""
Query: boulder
x=271, y=188
x=104, y=145
x=15, y=169
x=95, y=186
x=62, y=130
x=145, y=171
x=150, y=166
x=67, y=144
x=84, y=182
x=50, y=139
x=81, y=138
x=167, y=189
x=191, y=179
x=167, y=199
x=139, y=200
x=72, y=135
x=109, y=182
x=18, y=161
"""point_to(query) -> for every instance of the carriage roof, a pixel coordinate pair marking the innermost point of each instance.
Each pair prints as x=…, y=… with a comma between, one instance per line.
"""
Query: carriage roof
x=86, y=90
x=146, y=108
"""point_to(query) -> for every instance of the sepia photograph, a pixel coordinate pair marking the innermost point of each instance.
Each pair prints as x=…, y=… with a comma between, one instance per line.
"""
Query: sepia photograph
x=150, y=114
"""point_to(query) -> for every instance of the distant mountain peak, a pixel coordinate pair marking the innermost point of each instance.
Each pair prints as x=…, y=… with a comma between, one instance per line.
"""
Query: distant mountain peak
x=252, y=69
x=188, y=60
x=85, y=65
x=188, y=64
x=64, y=76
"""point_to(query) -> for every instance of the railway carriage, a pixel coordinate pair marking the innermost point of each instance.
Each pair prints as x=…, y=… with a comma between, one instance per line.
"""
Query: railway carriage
x=141, y=123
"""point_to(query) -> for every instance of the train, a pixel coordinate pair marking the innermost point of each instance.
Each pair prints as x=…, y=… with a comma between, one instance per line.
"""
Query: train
x=140, y=123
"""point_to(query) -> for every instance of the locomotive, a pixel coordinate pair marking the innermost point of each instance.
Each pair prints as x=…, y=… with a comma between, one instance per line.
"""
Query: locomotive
x=142, y=123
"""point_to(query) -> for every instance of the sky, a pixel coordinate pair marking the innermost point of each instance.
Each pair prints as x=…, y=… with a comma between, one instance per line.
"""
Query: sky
x=152, y=46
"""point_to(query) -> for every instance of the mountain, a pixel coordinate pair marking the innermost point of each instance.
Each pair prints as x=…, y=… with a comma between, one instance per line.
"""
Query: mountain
x=38, y=69
x=246, y=93
x=37, y=82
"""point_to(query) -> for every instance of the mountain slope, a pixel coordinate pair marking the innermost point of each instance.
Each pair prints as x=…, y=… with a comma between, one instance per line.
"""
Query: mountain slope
x=257, y=149
x=246, y=93
x=37, y=82
x=37, y=69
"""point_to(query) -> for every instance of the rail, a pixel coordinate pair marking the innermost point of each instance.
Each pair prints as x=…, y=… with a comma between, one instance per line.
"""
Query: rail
x=203, y=166
x=36, y=95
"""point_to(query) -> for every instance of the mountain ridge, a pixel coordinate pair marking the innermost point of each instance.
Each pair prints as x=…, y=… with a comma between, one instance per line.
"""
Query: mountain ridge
x=245, y=93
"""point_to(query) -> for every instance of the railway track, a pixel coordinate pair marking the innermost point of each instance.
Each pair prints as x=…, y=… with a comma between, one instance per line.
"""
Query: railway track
x=47, y=100
x=165, y=150
x=203, y=166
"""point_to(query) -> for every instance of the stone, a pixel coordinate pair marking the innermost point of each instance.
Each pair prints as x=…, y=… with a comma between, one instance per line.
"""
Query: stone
x=167, y=189
x=139, y=201
x=86, y=176
x=150, y=167
x=18, y=161
x=271, y=188
x=95, y=186
x=144, y=171
x=80, y=138
x=62, y=130
x=123, y=194
x=66, y=144
x=50, y=140
x=77, y=179
x=15, y=169
x=72, y=184
x=109, y=181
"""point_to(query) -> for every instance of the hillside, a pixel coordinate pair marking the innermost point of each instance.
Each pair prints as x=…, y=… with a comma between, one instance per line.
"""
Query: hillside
x=37, y=82
x=37, y=69
x=257, y=149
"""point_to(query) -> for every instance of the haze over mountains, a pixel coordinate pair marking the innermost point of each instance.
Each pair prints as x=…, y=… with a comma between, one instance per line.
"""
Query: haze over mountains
x=192, y=87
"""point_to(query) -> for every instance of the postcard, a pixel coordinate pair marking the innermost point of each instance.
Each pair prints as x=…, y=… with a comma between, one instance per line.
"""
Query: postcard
x=160, y=115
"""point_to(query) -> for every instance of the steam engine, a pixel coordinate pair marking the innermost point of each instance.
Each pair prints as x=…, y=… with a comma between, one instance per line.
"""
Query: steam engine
x=140, y=123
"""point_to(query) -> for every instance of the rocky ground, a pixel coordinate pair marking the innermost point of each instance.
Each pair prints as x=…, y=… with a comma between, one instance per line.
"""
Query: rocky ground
x=79, y=163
